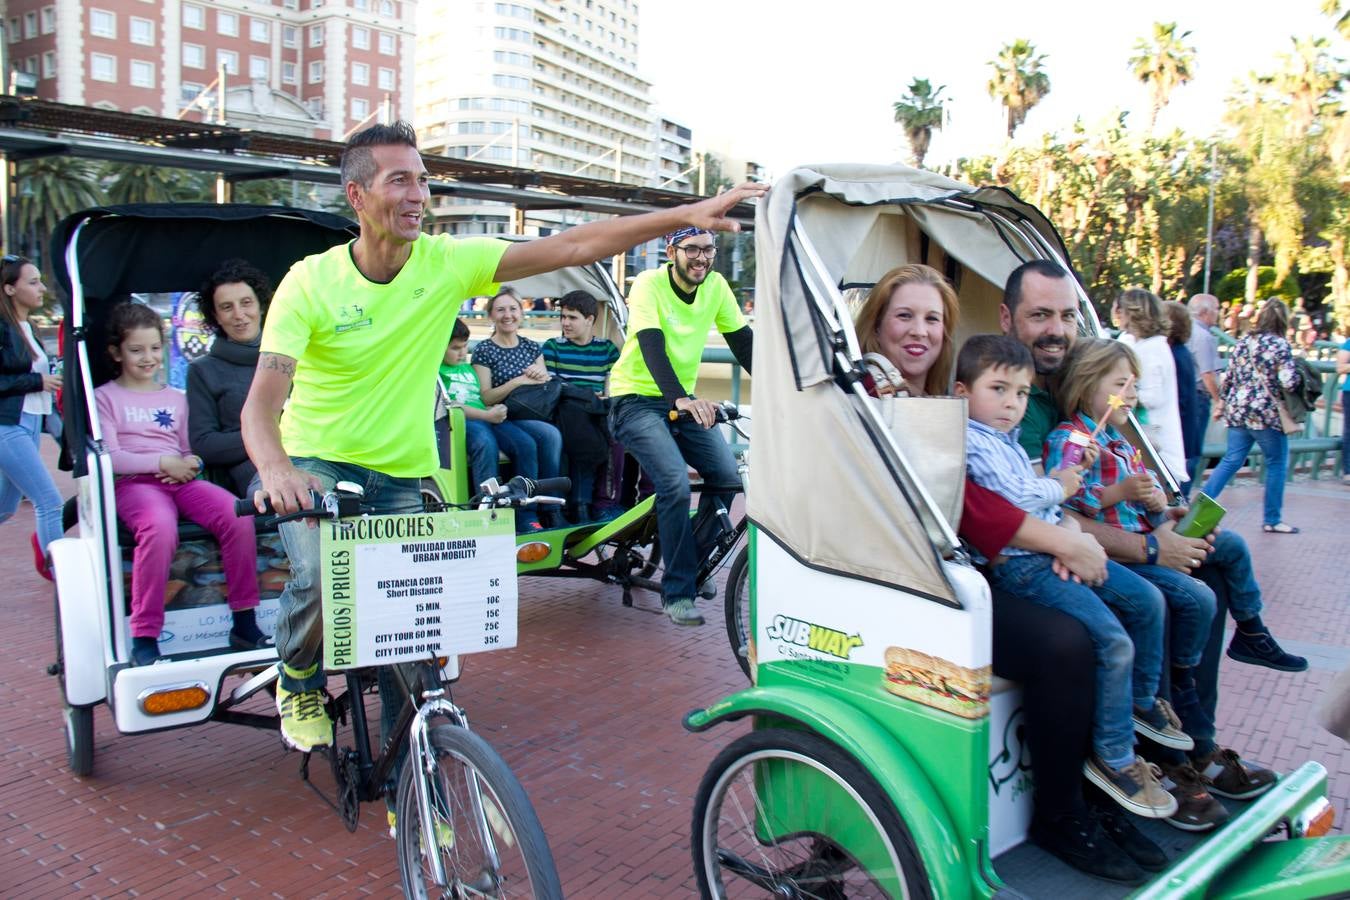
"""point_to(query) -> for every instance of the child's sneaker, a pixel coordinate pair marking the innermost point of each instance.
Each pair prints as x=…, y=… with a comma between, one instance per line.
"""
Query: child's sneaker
x=1260, y=649
x=144, y=651
x=1161, y=725
x=1196, y=809
x=1229, y=775
x=1135, y=787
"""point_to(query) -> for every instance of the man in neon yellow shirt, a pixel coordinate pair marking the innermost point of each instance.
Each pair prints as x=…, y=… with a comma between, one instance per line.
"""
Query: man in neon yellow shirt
x=670, y=310
x=354, y=338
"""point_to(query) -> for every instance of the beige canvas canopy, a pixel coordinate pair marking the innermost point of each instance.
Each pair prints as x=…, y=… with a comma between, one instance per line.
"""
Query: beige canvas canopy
x=829, y=480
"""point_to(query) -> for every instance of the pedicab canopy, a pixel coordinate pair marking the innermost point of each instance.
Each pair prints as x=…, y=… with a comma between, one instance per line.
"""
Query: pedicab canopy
x=102, y=256
x=831, y=484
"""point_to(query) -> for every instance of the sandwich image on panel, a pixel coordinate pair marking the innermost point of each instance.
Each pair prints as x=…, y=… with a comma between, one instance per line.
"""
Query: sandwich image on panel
x=937, y=682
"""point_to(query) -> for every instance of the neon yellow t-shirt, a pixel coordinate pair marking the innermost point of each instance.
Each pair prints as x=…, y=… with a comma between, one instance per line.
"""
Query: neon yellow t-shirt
x=653, y=304
x=367, y=354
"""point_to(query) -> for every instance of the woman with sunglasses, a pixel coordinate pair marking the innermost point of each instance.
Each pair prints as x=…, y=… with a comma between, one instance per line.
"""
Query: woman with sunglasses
x=26, y=390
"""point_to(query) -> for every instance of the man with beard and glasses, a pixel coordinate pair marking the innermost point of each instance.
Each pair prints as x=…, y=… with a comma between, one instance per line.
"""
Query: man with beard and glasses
x=1040, y=309
x=670, y=310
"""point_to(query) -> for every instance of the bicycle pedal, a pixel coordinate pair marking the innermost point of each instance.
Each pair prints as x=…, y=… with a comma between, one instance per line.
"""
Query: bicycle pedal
x=709, y=590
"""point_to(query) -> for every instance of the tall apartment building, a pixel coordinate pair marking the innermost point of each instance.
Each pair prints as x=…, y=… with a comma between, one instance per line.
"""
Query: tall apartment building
x=546, y=84
x=674, y=156
x=316, y=68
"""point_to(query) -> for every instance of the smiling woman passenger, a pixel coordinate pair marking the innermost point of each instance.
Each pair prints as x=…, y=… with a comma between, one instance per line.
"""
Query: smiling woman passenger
x=909, y=318
x=232, y=301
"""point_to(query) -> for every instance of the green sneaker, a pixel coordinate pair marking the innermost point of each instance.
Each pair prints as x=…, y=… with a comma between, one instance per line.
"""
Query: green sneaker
x=445, y=832
x=304, y=720
x=683, y=612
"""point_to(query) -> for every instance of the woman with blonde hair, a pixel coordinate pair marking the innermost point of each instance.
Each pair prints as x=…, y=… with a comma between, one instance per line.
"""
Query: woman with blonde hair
x=1260, y=366
x=1144, y=328
x=909, y=318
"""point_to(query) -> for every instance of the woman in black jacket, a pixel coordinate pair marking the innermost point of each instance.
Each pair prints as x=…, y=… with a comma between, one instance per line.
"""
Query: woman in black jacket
x=25, y=398
x=233, y=302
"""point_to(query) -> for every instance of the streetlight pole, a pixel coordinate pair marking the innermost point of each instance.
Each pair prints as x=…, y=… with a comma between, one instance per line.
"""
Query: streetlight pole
x=1209, y=219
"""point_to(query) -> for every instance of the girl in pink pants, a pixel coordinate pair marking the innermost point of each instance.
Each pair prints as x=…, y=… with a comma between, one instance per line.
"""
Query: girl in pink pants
x=145, y=427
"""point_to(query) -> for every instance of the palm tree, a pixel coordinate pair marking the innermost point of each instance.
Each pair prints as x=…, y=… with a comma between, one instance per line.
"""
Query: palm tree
x=1341, y=16
x=1019, y=81
x=1310, y=79
x=1163, y=63
x=131, y=183
x=920, y=112
x=51, y=188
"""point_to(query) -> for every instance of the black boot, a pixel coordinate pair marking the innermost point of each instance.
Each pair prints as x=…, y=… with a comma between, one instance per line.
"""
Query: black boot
x=244, y=633
x=1254, y=644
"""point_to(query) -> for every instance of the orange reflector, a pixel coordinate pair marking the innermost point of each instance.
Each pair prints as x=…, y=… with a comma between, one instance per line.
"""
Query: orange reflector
x=1321, y=821
x=162, y=701
x=532, y=552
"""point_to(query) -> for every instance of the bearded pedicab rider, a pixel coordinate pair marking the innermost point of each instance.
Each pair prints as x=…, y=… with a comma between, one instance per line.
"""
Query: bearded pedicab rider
x=670, y=310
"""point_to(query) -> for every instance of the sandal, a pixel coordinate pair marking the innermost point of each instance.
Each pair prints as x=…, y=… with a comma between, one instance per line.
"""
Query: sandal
x=1280, y=528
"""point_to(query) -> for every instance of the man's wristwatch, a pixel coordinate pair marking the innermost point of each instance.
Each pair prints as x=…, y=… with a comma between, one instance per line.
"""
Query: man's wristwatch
x=1150, y=549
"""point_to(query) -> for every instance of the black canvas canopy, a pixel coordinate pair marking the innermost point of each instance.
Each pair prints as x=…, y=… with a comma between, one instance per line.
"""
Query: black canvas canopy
x=106, y=254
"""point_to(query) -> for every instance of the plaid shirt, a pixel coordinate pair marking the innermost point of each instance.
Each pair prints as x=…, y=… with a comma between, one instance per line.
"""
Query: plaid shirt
x=1115, y=463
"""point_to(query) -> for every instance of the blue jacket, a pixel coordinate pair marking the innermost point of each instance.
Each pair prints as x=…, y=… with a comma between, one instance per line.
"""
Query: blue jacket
x=17, y=377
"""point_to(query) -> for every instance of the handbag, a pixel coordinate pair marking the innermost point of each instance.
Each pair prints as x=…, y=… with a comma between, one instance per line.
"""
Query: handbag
x=931, y=432
x=534, y=401
x=1288, y=424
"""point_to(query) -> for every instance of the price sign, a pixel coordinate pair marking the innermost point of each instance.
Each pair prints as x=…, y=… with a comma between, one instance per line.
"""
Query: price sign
x=404, y=587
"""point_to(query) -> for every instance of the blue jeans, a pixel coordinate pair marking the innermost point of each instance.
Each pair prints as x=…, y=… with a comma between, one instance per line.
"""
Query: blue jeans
x=1190, y=607
x=481, y=446
x=23, y=474
x=1129, y=655
x=534, y=447
x=1203, y=406
x=1275, y=445
x=665, y=450
x=1231, y=559
x=299, y=634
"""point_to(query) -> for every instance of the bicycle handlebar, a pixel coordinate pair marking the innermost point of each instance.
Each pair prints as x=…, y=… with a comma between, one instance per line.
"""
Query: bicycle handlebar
x=726, y=412
x=522, y=491
x=245, y=507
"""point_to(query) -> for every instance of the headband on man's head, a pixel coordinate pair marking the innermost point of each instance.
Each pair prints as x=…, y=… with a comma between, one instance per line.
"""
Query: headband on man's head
x=688, y=231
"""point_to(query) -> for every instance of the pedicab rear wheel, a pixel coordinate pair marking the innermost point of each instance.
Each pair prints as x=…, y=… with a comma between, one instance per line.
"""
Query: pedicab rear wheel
x=788, y=813
x=736, y=609
x=78, y=720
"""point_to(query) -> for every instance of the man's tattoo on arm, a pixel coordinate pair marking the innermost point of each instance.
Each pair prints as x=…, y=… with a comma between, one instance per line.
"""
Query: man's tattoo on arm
x=275, y=361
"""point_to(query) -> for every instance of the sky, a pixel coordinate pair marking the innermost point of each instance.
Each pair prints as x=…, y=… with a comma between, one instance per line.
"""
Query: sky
x=786, y=84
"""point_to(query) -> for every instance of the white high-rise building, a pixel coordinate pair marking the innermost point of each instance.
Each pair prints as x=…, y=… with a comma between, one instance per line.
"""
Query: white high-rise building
x=539, y=84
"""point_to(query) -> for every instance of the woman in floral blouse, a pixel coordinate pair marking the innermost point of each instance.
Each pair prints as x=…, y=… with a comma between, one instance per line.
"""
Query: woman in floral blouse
x=1260, y=365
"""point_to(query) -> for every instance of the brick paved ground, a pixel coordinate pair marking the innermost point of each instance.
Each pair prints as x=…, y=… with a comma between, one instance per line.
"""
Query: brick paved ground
x=586, y=711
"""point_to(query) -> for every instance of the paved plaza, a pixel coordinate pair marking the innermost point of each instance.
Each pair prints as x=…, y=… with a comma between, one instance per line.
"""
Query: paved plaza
x=586, y=710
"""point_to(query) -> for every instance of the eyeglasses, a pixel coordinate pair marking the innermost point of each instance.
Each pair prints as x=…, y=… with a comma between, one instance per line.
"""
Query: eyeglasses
x=696, y=252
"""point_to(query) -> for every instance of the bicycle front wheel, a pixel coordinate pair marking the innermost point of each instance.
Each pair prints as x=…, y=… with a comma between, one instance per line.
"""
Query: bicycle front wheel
x=488, y=835
x=789, y=814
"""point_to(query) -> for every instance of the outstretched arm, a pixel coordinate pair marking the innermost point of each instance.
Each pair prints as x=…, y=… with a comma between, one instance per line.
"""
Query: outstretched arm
x=587, y=243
